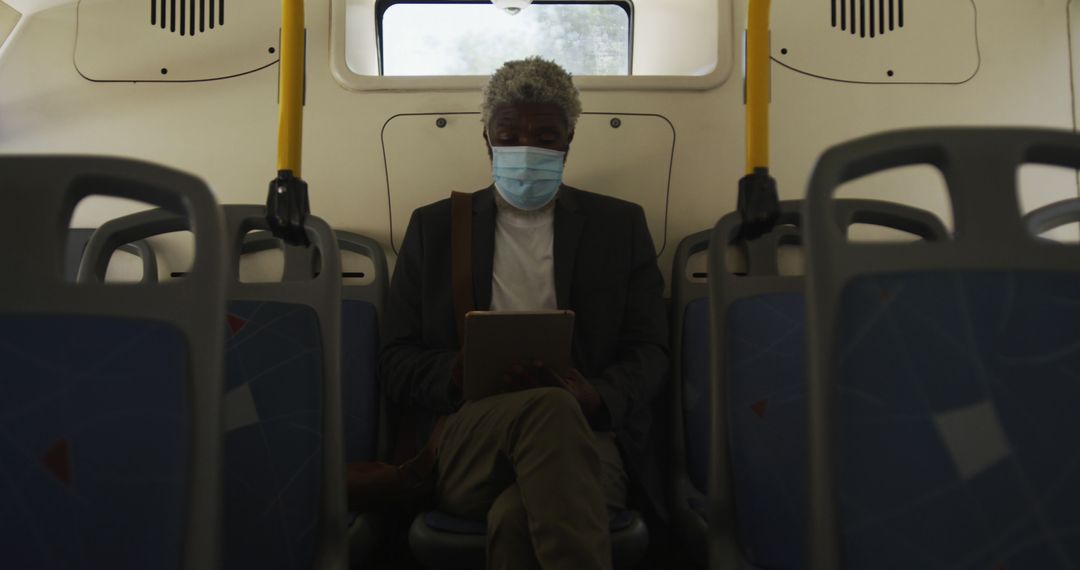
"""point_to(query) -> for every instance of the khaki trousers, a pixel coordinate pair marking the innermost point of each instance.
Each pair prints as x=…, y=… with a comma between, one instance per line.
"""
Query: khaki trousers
x=529, y=464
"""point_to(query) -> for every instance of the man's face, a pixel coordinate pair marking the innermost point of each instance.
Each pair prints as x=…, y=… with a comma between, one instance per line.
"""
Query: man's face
x=528, y=124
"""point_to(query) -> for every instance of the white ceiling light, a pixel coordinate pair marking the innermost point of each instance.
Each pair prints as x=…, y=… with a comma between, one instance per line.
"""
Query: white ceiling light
x=511, y=7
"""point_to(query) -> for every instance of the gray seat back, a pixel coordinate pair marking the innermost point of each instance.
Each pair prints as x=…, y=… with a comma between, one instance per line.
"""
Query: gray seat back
x=365, y=429
x=689, y=403
x=938, y=371
x=1053, y=216
x=284, y=488
x=112, y=393
x=76, y=245
x=760, y=380
x=293, y=329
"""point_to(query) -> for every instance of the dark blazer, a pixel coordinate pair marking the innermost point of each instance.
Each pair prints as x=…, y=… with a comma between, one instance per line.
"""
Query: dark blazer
x=605, y=271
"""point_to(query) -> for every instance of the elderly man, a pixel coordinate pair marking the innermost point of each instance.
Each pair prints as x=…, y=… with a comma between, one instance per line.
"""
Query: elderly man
x=541, y=465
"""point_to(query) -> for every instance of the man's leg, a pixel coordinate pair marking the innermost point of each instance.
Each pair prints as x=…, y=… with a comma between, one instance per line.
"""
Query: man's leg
x=613, y=478
x=540, y=439
x=509, y=544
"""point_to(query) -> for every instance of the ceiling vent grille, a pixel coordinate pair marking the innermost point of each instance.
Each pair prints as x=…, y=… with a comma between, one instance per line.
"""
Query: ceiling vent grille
x=868, y=18
x=187, y=17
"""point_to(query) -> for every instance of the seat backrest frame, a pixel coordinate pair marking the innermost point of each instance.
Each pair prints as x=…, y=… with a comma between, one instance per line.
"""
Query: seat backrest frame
x=47, y=190
x=321, y=292
x=79, y=237
x=980, y=167
x=763, y=277
x=1053, y=216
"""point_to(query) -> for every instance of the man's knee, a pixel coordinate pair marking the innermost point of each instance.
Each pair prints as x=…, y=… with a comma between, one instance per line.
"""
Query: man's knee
x=555, y=400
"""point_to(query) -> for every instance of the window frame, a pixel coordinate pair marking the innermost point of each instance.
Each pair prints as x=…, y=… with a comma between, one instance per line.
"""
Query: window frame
x=367, y=82
x=381, y=6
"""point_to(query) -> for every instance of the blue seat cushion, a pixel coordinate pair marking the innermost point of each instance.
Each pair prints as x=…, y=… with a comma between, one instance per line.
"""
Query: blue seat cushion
x=273, y=439
x=95, y=427
x=957, y=418
x=359, y=378
x=695, y=389
x=765, y=368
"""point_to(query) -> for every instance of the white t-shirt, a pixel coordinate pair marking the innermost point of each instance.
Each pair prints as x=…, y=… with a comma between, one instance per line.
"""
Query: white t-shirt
x=523, y=276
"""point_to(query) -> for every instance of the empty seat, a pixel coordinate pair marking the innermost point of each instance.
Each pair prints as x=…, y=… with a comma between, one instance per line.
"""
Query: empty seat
x=760, y=388
x=111, y=406
x=360, y=308
x=690, y=385
x=365, y=433
x=943, y=376
x=284, y=484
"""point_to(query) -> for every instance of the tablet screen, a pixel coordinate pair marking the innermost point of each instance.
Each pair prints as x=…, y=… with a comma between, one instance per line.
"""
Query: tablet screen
x=495, y=340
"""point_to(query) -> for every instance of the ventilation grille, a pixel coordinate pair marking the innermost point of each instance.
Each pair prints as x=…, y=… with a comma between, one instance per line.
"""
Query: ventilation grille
x=187, y=17
x=868, y=18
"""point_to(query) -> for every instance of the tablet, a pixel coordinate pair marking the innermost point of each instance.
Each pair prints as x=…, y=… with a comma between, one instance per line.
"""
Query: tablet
x=495, y=340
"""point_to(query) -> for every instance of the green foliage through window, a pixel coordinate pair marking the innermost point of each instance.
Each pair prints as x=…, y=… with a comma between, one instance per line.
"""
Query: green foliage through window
x=476, y=38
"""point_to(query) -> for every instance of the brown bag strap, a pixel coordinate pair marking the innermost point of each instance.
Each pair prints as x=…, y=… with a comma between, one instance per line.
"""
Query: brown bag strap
x=461, y=284
x=461, y=258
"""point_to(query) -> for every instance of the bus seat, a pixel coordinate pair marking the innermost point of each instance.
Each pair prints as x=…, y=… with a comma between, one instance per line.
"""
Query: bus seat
x=112, y=393
x=1052, y=216
x=367, y=436
x=284, y=486
x=360, y=308
x=690, y=419
x=439, y=540
x=761, y=382
x=943, y=376
x=76, y=245
x=284, y=490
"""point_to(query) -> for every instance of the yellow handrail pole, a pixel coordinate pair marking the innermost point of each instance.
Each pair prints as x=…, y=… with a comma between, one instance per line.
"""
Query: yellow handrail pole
x=291, y=87
x=757, y=85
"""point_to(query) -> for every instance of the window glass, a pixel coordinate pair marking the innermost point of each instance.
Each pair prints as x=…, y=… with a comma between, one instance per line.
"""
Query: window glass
x=475, y=39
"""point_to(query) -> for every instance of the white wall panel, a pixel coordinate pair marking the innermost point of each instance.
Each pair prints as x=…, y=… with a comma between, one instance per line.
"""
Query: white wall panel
x=178, y=40
x=878, y=41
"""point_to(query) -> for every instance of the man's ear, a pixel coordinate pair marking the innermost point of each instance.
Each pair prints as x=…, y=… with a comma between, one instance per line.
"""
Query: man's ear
x=487, y=143
x=569, y=137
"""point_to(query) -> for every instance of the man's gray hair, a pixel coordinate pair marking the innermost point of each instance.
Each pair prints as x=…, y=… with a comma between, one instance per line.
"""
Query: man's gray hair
x=531, y=80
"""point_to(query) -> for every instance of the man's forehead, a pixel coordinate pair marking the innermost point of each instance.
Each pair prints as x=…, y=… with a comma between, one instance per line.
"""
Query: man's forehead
x=533, y=110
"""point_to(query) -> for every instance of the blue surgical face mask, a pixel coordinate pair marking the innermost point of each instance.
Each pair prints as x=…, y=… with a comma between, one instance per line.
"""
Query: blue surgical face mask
x=527, y=177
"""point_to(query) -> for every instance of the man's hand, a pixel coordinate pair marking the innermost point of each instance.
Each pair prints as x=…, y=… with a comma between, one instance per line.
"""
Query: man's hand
x=592, y=405
x=522, y=377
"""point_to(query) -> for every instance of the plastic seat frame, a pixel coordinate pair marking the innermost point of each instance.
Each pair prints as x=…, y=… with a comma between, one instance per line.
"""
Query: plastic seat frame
x=1053, y=216
x=47, y=190
x=763, y=277
x=980, y=169
x=302, y=263
x=320, y=292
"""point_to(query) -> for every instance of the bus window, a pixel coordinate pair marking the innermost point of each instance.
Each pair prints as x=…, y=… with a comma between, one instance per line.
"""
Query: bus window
x=475, y=38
